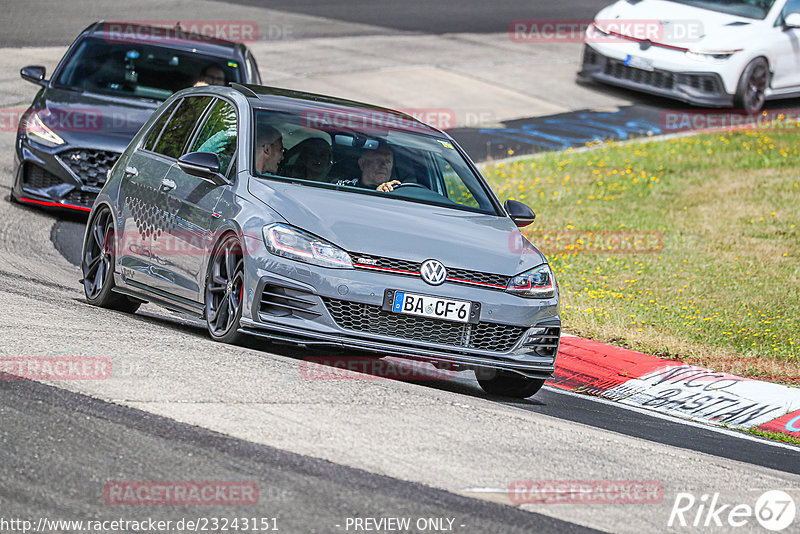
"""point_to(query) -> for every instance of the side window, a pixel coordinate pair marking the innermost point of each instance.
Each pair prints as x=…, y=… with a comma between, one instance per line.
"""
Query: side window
x=218, y=134
x=155, y=132
x=181, y=125
x=454, y=186
x=253, y=75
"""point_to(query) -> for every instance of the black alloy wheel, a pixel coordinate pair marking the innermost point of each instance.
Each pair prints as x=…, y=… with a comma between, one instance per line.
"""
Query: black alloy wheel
x=97, y=265
x=224, y=291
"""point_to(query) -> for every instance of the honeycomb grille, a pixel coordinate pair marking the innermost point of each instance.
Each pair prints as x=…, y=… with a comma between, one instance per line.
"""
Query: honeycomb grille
x=659, y=79
x=374, y=320
x=91, y=166
x=411, y=268
x=37, y=178
x=80, y=198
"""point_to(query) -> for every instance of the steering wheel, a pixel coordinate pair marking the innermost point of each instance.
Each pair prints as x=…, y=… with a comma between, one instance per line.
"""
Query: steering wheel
x=409, y=184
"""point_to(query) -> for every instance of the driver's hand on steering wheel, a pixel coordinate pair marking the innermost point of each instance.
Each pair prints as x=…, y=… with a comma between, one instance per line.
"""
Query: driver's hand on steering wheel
x=388, y=186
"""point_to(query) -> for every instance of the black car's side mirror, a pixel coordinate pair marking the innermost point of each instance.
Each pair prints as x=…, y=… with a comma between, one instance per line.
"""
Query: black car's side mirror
x=520, y=213
x=203, y=165
x=34, y=74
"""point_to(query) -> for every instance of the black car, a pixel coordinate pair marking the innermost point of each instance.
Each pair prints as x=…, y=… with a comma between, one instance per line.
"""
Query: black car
x=104, y=88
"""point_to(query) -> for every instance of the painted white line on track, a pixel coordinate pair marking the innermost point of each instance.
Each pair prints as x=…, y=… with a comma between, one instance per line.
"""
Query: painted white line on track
x=679, y=420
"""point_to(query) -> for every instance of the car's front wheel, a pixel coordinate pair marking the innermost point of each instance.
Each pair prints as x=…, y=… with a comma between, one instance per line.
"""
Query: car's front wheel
x=224, y=291
x=506, y=384
x=97, y=265
x=751, y=91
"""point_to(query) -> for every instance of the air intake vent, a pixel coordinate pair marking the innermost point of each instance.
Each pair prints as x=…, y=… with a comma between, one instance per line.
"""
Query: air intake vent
x=282, y=301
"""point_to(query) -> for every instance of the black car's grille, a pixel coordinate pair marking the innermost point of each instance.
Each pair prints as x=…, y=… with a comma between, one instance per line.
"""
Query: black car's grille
x=410, y=268
x=374, y=320
x=543, y=340
x=91, y=166
x=80, y=198
x=36, y=177
x=285, y=301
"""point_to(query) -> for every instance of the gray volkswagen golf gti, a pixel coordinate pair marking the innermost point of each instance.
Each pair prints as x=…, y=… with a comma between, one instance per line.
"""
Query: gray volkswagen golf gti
x=313, y=220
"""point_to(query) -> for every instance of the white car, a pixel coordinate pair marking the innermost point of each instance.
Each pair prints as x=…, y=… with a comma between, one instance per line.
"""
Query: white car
x=706, y=52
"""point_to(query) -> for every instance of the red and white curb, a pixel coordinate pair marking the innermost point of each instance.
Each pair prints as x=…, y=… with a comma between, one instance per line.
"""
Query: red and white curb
x=675, y=388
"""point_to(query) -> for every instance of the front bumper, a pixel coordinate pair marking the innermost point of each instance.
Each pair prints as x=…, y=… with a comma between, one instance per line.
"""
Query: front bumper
x=698, y=88
x=64, y=177
x=343, y=309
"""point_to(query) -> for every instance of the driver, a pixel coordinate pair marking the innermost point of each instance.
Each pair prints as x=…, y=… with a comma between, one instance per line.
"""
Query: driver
x=376, y=170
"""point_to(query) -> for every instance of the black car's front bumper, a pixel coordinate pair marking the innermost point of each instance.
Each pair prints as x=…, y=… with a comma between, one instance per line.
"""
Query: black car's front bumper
x=63, y=177
x=698, y=88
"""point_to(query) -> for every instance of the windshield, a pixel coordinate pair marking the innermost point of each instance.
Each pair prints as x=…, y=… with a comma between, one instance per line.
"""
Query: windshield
x=140, y=70
x=752, y=9
x=366, y=153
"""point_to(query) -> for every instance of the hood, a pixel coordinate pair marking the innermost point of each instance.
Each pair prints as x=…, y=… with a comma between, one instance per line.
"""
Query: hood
x=683, y=25
x=401, y=229
x=97, y=121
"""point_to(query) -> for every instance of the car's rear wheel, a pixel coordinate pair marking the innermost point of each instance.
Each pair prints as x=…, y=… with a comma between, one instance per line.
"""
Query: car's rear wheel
x=224, y=291
x=505, y=384
x=751, y=91
x=97, y=265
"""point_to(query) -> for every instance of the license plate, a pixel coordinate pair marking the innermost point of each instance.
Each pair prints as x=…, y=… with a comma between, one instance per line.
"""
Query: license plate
x=639, y=62
x=462, y=311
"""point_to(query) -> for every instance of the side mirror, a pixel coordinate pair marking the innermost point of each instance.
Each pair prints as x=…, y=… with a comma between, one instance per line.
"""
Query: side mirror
x=792, y=20
x=520, y=213
x=34, y=74
x=203, y=165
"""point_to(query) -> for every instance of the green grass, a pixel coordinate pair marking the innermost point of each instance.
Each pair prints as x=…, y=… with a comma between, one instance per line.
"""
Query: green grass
x=713, y=278
x=777, y=436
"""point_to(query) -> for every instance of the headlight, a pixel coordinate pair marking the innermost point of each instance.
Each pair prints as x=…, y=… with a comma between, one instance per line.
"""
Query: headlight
x=288, y=242
x=35, y=126
x=599, y=27
x=536, y=283
x=705, y=55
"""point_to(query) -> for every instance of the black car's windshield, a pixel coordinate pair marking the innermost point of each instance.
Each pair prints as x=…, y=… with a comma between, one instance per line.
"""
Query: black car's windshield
x=140, y=70
x=366, y=152
x=752, y=9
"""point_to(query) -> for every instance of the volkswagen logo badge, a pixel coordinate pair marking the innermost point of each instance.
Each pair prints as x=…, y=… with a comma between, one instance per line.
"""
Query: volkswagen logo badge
x=433, y=272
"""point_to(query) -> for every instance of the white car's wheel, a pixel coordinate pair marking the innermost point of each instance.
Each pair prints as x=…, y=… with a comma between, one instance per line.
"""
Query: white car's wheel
x=750, y=93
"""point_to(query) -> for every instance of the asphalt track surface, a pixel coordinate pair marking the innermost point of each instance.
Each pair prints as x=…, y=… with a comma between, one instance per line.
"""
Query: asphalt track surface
x=424, y=16
x=66, y=443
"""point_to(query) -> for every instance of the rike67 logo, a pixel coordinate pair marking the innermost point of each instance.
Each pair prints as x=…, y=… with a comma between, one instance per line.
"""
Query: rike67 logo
x=774, y=510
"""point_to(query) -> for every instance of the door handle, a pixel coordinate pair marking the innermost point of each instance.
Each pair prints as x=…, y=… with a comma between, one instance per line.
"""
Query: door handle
x=167, y=184
x=131, y=172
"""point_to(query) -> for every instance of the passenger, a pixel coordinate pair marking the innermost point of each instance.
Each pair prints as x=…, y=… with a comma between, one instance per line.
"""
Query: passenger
x=376, y=170
x=313, y=161
x=269, y=150
x=211, y=75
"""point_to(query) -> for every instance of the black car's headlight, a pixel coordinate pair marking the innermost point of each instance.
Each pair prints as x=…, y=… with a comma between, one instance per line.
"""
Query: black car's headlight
x=289, y=242
x=536, y=283
x=41, y=133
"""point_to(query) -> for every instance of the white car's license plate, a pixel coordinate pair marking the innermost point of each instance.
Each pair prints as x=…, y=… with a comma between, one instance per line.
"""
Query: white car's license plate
x=462, y=311
x=639, y=62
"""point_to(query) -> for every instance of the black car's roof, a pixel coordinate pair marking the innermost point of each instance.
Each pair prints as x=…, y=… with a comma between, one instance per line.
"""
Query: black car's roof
x=172, y=37
x=276, y=98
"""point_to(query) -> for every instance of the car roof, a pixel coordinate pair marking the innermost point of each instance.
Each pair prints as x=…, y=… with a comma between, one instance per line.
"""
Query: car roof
x=175, y=37
x=279, y=99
